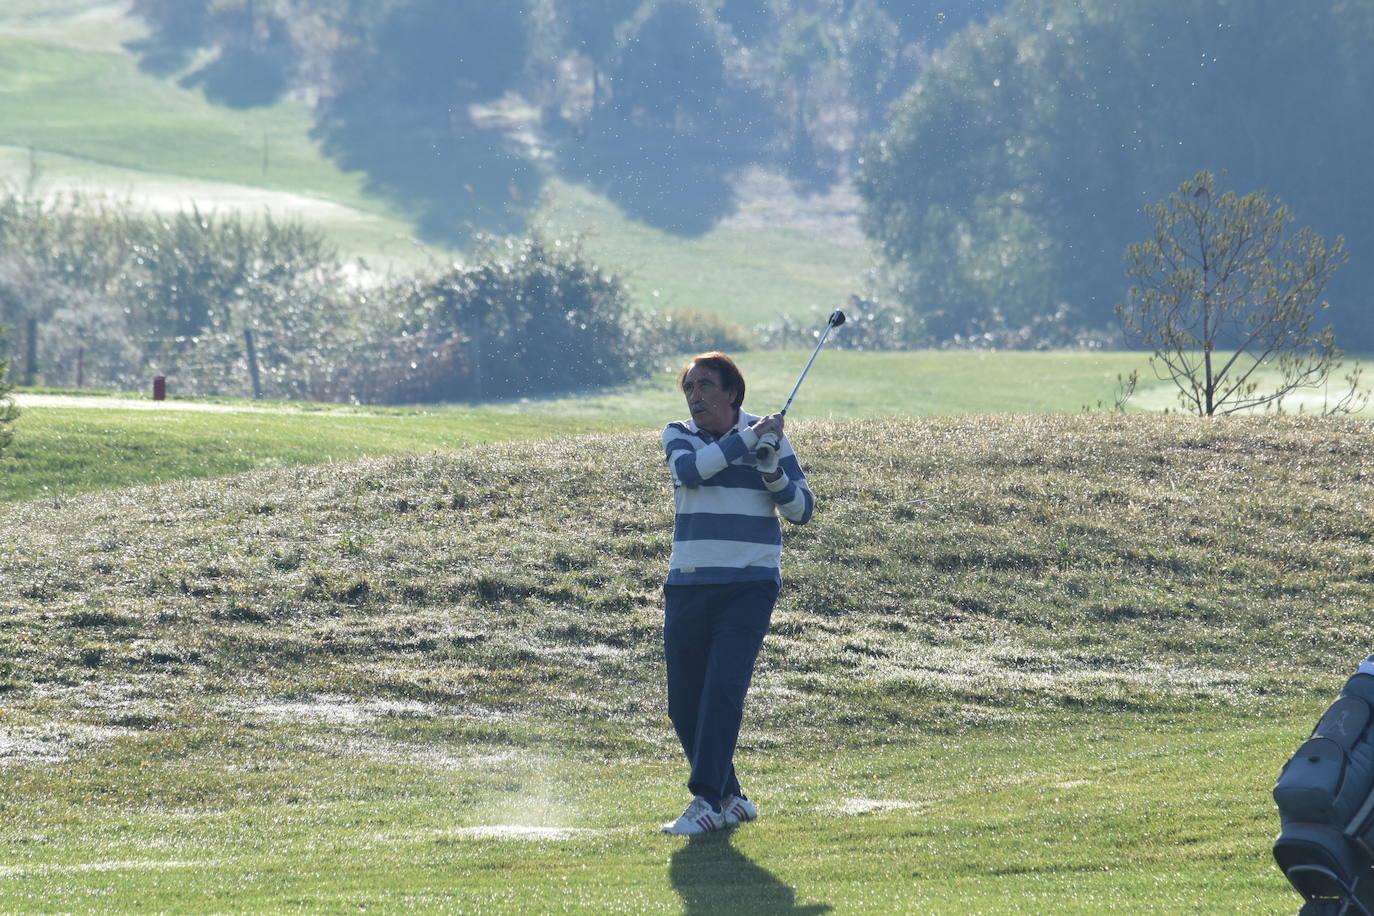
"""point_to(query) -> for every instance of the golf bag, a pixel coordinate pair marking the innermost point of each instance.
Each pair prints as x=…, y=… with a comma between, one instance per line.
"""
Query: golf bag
x=1325, y=795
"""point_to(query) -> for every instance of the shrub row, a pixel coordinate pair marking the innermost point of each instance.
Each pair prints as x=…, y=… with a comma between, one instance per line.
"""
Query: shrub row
x=120, y=298
x=127, y=298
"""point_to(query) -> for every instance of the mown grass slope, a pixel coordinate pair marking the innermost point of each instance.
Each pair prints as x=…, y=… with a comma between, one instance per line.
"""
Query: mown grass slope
x=969, y=570
x=61, y=452
x=859, y=383
x=62, y=449
x=1050, y=660
x=752, y=271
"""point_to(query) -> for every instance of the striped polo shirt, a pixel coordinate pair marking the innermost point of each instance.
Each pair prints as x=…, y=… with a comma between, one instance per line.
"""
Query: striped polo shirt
x=727, y=527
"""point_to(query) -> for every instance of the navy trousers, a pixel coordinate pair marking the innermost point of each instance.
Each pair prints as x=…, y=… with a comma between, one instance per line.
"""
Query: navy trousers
x=711, y=639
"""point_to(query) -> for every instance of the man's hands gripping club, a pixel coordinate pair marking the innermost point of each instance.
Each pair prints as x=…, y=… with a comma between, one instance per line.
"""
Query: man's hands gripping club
x=769, y=431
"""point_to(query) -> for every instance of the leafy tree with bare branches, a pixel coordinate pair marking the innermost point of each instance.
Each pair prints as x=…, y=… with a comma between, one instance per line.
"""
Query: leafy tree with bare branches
x=1226, y=296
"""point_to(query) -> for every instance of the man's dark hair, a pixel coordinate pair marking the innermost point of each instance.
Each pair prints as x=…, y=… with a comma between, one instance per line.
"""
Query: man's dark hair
x=731, y=379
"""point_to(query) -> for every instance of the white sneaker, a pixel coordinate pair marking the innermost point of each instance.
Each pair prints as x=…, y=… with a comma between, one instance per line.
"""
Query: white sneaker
x=738, y=809
x=698, y=818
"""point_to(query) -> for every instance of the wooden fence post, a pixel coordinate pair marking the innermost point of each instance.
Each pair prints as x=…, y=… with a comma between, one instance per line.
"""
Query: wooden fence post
x=30, y=351
x=252, y=363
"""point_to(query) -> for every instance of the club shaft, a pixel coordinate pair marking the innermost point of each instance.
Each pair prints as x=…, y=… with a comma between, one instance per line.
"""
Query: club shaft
x=836, y=317
x=802, y=377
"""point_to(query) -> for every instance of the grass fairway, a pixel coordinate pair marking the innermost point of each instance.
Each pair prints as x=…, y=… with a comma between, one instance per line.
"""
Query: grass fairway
x=1041, y=664
x=1030, y=823
x=93, y=103
x=752, y=274
x=61, y=452
x=851, y=383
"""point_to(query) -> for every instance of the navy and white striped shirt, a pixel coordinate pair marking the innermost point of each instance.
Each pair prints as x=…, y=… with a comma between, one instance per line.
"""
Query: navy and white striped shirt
x=727, y=527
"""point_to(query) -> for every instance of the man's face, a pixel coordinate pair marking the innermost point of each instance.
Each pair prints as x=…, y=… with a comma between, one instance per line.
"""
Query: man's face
x=709, y=402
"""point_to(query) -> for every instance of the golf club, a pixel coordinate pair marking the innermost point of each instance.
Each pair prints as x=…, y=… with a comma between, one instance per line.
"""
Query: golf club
x=770, y=441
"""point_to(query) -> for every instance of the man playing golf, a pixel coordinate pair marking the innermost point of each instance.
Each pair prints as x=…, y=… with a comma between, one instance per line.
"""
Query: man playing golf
x=723, y=577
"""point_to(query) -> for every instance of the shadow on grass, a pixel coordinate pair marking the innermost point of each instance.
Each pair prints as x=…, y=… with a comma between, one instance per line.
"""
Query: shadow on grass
x=452, y=178
x=712, y=876
x=243, y=78
x=241, y=75
x=675, y=184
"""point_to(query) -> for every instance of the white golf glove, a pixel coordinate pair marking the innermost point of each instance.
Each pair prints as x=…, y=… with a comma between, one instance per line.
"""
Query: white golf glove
x=766, y=456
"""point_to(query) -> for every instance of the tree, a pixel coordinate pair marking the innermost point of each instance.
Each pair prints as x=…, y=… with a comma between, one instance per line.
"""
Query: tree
x=748, y=20
x=807, y=58
x=871, y=53
x=436, y=55
x=669, y=69
x=402, y=112
x=1074, y=113
x=589, y=27
x=1226, y=296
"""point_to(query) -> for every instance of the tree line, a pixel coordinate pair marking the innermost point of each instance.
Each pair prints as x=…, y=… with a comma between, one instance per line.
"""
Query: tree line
x=1004, y=150
x=650, y=101
x=1014, y=173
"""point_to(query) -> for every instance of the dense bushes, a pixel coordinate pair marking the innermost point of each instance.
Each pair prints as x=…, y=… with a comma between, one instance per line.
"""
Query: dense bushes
x=870, y=324
x=693, y=331
x=531, y=317
x=128, y=298
x=198, y=282
x=120, y=298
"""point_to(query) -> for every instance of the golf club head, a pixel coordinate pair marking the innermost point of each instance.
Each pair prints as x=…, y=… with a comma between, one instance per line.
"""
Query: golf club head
x=836, y=318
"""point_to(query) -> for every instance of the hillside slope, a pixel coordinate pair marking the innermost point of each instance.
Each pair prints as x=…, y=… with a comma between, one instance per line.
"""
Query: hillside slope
x=958, y=571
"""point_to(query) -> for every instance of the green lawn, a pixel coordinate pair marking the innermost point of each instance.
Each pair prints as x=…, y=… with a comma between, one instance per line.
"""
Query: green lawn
x=65, y=451
x=1028, y=660
x=62, y=452
x=76, y=119
x=100, y=108
x=850, y=383
x=369, y=817
x=751, y=275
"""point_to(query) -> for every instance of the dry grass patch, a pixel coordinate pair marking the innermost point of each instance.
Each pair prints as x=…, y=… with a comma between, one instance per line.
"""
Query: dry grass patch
x=958, y=570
